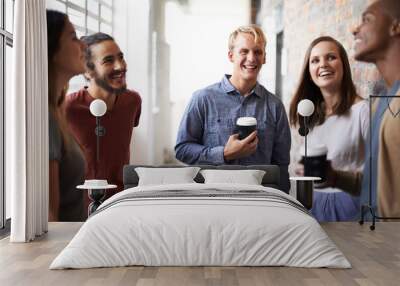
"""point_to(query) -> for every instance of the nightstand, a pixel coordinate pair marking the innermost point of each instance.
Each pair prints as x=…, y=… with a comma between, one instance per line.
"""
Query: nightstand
x=305, y=189
x=96, y=193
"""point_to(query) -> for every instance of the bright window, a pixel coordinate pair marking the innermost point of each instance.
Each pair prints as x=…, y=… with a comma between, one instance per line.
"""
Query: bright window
x=88, y=16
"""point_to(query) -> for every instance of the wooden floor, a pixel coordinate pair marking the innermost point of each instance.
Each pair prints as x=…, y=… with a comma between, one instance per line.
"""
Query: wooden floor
x=374, y=255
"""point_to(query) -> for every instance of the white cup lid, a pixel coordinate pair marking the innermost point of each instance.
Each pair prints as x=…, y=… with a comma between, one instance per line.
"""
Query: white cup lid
x=314, y=150
x=246, y=121
x=96, y=183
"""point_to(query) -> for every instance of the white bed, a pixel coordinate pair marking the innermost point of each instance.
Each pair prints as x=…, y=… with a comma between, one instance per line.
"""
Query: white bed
x=201, y=224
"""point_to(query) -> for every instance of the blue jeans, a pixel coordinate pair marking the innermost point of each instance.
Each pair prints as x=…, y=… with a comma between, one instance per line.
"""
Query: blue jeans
x=338, y=206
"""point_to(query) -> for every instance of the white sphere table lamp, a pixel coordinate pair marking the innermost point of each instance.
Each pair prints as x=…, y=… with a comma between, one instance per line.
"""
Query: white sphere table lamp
x=305, y=185
x=305, y=108
x=98, y=108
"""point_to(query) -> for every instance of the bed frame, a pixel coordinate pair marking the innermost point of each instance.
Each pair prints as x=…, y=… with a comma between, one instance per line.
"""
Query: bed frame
x=270, y=179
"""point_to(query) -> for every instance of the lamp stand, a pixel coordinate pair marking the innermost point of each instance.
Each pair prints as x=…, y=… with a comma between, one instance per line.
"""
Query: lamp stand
x=100, y=131
x=305, y=142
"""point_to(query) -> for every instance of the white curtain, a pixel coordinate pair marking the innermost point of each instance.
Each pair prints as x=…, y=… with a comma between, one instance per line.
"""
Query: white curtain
x=27, y=124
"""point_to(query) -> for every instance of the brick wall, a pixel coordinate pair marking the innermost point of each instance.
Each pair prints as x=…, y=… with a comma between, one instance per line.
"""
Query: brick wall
x=304, y=20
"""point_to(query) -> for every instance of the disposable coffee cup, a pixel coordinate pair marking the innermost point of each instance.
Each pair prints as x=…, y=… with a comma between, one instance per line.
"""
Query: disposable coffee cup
x=245, y=126
x=316, y=164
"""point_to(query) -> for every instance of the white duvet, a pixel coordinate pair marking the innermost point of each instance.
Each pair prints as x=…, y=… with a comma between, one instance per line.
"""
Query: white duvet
x=207, y=230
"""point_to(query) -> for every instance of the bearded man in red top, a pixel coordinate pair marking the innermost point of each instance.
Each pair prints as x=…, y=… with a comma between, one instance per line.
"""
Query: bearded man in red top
x=105, y=71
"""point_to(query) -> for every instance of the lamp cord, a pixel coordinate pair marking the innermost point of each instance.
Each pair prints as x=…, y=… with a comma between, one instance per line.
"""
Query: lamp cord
x=97, y=138
x=305, y=144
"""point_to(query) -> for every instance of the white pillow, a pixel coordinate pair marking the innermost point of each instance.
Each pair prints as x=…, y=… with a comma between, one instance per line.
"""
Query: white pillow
x=249, y=177
x=162, y=176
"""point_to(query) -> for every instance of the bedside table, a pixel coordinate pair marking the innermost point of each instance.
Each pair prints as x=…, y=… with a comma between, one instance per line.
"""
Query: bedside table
x=96, y=195
x=305, y=189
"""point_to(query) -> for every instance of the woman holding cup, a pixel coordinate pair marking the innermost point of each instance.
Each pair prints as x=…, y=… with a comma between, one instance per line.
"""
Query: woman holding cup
x=338, y=130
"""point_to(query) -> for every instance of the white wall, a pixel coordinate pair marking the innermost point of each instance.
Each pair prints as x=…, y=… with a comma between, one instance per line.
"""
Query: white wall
x=271, y=20
x=132, y=29
x=267, y=74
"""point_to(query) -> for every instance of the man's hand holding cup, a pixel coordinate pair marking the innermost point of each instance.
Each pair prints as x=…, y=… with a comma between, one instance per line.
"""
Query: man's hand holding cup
x=244, y=142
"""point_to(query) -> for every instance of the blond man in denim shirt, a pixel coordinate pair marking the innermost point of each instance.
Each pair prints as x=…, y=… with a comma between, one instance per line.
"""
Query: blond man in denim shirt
x=207, y=132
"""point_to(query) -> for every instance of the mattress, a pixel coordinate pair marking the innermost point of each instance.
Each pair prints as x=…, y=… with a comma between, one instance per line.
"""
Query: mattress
x=201, y=225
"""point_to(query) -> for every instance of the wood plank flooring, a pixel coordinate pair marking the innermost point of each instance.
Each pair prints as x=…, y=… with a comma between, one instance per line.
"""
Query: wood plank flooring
x=374, y=255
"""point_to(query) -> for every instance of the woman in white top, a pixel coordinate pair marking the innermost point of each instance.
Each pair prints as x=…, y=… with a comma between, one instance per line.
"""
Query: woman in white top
x=340, y=122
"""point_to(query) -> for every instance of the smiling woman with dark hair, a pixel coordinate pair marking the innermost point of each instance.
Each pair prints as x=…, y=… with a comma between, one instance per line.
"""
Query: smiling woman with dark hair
x=340, y=123
x=66, y=166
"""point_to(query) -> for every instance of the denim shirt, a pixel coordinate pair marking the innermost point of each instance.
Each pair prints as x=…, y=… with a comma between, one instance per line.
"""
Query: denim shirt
x=210, y=119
